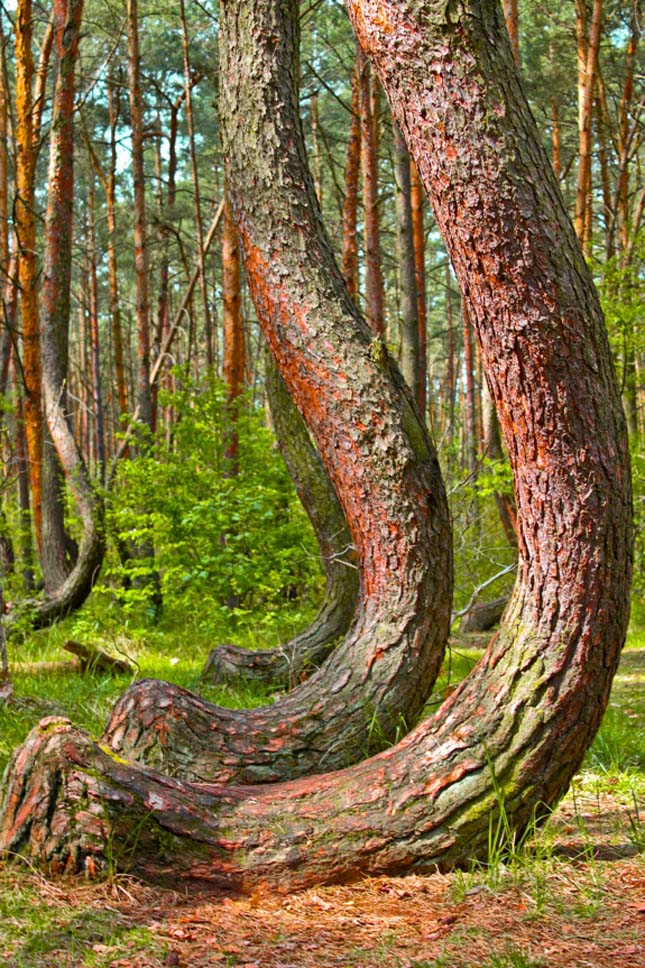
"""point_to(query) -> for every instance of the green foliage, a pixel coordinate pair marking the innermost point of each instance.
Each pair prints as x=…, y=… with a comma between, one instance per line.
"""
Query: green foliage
x=229, y=548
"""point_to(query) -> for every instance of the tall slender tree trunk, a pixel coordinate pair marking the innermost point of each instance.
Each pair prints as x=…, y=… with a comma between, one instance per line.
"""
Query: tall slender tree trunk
x=470, y=409
x=199, y=231
x=74, y=583
x=417, y=201
x=511, y=16
x=410, y=362
x=374, y=289
x=587, y=67
x=233, y=364
x=517, y=728
x=144, y=396
x=113, y=274
x=25, y=226
x=350, y=204
x=95, y=345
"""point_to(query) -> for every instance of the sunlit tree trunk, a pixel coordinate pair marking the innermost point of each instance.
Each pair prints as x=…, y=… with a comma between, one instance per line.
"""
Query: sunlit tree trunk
x=511, y=16
x=74, y=582
x=95, y=344
x=374, y=289
x=417, y=200
x=113, y=274
x=233, y=362
x=410, y=363
x=144, y=396
x=350, y=205
x=25, y=227
x=199, y=231
x=587, y=67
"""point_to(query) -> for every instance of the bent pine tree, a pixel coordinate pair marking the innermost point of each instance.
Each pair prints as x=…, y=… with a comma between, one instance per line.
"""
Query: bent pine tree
x=518, y=726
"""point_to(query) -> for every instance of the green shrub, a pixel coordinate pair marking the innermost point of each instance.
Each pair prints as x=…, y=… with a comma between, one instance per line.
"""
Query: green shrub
x=228, y=548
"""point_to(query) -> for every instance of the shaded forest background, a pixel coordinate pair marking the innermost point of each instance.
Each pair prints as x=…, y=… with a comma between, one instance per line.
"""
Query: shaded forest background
x=160, y=359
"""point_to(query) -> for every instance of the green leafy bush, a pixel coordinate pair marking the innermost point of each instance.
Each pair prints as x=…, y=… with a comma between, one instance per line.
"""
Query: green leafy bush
x=228, y=547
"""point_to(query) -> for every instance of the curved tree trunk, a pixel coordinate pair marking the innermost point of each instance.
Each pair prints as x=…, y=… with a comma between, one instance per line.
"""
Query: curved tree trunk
x=75, y=584
x=519, y=725
x=298, y=658
x=376, y=450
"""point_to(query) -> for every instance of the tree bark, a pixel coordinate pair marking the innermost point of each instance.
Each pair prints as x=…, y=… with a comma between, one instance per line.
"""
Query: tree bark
x=233, y=335
x=144, y=396
x=588, y=68
x=350, y=203
x=371, y=439
x=25, y=227
x=516, y=729
x=298, y=658
x=417, y=199
x=199, y=231
x=75, y=584
x=374, y=288
x=410, y=361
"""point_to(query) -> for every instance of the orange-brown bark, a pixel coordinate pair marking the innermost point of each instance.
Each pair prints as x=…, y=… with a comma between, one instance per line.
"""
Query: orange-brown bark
x=199, y=232
x=74, y=582
x=587, y=65
x=350, y=205
x=144, y=396
x=233, y=332
x=25, y=227
x=374, y=288
x=512, y=24
x=417, y=199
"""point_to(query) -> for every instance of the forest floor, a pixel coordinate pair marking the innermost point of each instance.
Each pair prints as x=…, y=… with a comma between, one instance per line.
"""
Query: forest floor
x=575, y=896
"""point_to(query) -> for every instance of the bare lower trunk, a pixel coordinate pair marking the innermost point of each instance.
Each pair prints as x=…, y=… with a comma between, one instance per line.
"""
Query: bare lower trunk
x=302, y=655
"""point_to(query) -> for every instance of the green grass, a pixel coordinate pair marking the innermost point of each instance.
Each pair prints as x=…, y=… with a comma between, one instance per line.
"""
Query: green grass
x=50, y=932
x=43, y=689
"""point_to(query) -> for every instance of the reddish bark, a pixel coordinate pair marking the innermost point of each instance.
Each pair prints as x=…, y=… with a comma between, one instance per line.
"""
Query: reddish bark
x=233, y=333
x=95, y=347
x=410, y=362
x=417, y=200
x=350, y=205
x=587, y=67
x=512, y=25
x=384, y=470
x=110, y=200
x=76, y=583
x=199, y=232
x=144, y=396
x=374, y=290
x=519, y=725
x=26, y=244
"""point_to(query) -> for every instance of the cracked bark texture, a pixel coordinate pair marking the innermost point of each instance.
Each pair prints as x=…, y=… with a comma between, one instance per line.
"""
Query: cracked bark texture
x=370, y=436
x=519, y=725
x=297, y=659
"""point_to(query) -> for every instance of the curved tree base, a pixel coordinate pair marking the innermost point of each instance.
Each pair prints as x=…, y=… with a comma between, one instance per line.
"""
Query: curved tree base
x=432, y=801
x=75, y=589
x=287, y=665
x=302, y=655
